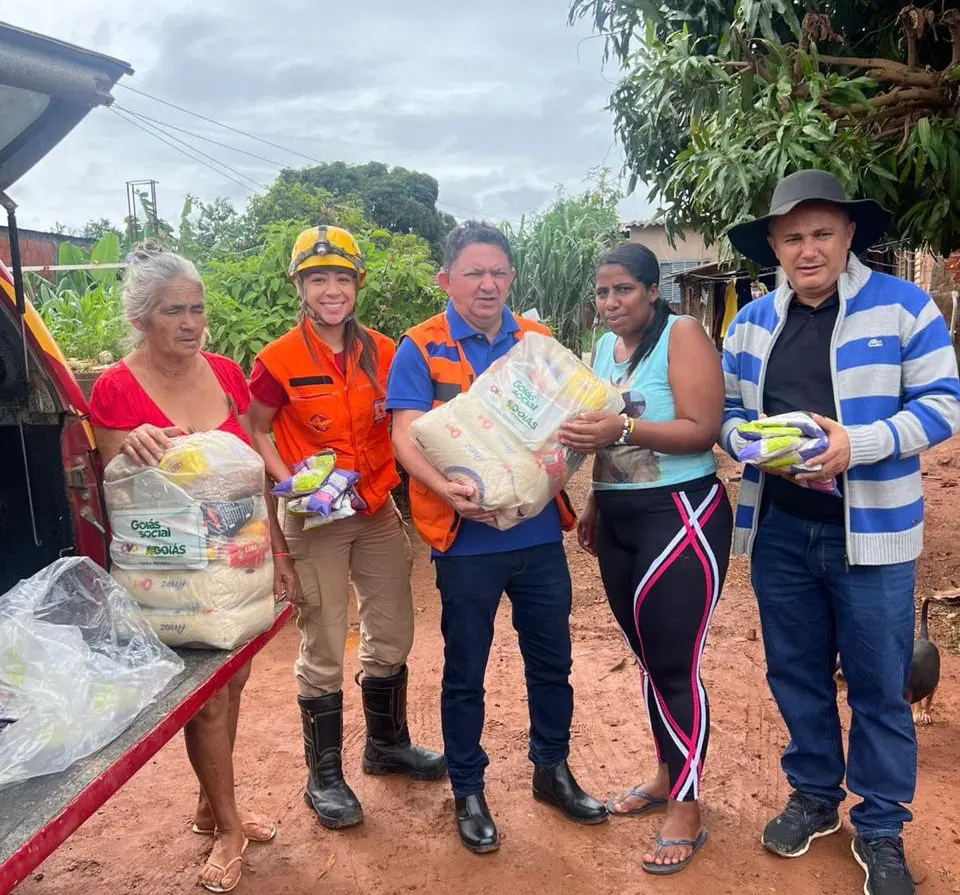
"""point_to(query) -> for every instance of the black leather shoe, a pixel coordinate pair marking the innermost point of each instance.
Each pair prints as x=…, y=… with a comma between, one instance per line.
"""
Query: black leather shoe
x=477, y=830
x=327, y=793
x=388, y=748
x=556, y=786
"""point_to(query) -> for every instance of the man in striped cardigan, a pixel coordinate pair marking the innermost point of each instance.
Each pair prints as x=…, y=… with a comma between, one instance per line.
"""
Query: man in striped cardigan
x=870, y=356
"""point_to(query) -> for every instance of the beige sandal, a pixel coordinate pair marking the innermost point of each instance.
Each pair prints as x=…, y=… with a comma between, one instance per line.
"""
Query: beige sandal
x=244, y=827
x=219, y=887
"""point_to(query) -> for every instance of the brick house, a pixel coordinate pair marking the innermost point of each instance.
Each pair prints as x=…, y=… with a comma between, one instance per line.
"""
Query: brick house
x=39, y=248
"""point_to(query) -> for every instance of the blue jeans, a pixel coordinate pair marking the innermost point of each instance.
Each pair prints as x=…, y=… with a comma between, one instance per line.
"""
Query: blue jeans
x=537, y=581
x=812, y=607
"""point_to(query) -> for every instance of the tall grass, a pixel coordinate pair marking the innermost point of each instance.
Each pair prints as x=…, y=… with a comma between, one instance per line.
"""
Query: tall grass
x=555, y=255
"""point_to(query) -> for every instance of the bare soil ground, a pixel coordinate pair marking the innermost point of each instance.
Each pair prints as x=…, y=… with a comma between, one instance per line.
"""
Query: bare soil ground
x=140, y=841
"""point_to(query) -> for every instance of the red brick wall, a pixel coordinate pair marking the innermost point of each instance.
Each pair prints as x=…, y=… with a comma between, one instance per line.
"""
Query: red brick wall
x=37, y=248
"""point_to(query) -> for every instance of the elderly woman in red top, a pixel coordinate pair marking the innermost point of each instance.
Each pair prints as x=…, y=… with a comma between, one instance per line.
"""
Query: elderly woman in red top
x=168, y=386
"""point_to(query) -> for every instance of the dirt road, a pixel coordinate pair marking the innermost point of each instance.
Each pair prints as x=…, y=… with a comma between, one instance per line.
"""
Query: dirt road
x=140, y=842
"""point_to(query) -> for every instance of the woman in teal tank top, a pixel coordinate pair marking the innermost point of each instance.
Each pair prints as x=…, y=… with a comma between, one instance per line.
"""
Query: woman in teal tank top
x=660, y=523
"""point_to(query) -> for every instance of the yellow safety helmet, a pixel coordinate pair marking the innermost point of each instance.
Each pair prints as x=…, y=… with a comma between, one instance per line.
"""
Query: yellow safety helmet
x=327, y=247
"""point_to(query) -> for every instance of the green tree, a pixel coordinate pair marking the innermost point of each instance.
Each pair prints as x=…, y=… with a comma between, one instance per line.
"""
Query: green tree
x=251, y=300
x=98, y=228
x=220, y=227
x=555, y=254
x=719, y=99
x=289, y=200
x=394, y=199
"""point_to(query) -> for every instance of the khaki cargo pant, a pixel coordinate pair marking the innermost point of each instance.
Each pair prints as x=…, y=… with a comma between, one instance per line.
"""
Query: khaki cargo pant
x=373, y=553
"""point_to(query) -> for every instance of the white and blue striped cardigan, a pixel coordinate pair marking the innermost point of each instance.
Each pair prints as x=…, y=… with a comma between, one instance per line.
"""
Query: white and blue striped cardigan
x=895, y=381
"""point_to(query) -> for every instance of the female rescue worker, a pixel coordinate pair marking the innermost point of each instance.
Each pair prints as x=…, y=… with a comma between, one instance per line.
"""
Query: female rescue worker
x=323, y=386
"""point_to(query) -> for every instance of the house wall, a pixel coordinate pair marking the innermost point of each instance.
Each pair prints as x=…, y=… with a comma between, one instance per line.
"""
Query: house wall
x=690, y=248
x=689, y=251
x=38, y=248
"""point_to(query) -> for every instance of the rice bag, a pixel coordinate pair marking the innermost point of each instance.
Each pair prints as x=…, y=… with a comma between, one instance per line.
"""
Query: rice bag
x=786, y=442
x=198, y=516
x=502, y=434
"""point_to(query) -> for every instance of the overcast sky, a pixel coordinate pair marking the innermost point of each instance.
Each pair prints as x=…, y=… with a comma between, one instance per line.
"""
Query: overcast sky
x=499, y=100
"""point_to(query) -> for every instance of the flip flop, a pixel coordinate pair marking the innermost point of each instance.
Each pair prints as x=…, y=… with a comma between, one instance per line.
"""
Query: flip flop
x=216, y=887
x=273, y=831
x=652, y=805
x=664, y=869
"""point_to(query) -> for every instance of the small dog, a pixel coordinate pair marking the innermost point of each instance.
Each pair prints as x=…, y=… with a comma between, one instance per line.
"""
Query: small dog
x=924, y=672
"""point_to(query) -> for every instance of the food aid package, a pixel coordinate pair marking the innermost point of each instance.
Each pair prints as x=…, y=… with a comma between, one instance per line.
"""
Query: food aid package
x=785, y=442
x=79, y=665
x=200, y=609
x=502, y=435
x=319, y=492
x=194, y=528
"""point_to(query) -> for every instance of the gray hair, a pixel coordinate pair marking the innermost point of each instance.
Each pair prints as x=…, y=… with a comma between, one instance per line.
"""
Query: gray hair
x=150, y=268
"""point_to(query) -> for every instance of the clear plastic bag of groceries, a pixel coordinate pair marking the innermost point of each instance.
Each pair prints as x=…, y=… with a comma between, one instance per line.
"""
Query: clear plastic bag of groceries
x=191, y=540
x=502, y=434
x=79, y=665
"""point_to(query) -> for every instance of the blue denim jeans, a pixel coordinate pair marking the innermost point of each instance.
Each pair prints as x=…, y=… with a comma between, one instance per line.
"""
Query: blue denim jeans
x=537, y=581
x=812, y=607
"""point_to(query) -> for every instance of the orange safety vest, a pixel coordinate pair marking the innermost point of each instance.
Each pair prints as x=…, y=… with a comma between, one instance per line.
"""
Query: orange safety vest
x=451, y=374
x=329, y=409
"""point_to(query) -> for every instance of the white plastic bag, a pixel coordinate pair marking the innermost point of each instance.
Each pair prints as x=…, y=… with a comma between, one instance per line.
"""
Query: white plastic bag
x=502, y=435
x=193, y=527
x=79, y=663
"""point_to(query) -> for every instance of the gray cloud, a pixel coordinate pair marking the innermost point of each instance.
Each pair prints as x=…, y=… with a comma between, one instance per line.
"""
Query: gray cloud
x=500, y=101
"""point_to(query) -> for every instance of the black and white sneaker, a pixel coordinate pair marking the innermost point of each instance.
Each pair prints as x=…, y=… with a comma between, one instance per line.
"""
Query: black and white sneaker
x=884, y=864
x=804, y=819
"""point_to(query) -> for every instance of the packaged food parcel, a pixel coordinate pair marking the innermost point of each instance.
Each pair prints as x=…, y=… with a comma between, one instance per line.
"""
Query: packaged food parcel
x=195, y=526
x=502, y=434
x=79, y=664
x=786, y=441
x=319, y=492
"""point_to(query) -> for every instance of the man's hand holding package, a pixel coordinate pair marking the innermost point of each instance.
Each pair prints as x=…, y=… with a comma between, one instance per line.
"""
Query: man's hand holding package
x=835, y=460
x=460, y=497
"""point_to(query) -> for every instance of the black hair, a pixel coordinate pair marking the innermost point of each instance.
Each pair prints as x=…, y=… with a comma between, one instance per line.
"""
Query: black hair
x=470, y=233
x=643, y=266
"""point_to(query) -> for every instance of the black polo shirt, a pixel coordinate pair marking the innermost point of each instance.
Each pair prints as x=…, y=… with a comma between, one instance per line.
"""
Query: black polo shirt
x=798, y=378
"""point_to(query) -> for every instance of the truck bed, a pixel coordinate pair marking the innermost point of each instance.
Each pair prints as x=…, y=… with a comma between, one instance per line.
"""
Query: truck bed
x=37, y=816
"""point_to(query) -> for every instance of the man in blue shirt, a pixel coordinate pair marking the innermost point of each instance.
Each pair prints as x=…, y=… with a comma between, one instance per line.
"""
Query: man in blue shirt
x=475, y=562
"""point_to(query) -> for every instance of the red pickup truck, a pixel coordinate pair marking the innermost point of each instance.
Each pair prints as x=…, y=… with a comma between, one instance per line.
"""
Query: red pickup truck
x=50, y=497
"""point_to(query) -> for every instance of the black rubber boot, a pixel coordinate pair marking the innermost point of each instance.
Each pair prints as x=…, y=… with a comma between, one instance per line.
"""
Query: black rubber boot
x=327, y=792
x=477, y=830
x=556, y=786
x=388, y=749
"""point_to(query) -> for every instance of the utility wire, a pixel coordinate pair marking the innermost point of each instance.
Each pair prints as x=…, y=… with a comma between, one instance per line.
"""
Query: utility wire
x=309, y=158
x=180, y=149
x=220, y=124
x=216, y=161
x=189, y=133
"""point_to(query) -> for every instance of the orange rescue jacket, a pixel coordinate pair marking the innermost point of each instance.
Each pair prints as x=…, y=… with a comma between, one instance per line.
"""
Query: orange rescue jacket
x=433, y=517
x=345, y=412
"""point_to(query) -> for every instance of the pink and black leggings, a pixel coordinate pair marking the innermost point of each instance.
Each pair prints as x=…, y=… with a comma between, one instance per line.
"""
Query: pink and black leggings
x=663, y=559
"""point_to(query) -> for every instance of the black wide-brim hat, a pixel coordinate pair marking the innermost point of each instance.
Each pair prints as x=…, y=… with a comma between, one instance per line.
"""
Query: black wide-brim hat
x=871, y=218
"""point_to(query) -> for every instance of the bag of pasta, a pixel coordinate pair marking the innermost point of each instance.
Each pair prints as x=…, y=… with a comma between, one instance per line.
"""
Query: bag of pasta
x=191, y=540
x=502, y=435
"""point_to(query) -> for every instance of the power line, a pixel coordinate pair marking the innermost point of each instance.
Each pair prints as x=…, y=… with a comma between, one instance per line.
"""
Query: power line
x=179, y=149
x=189, y=133
x=216, y=161
x=220, y=124
x=309, y=158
